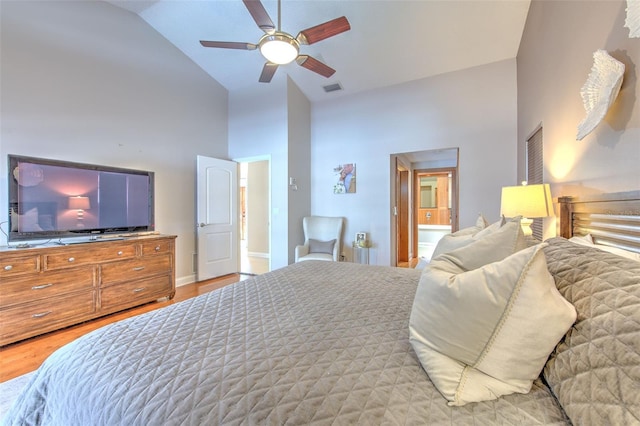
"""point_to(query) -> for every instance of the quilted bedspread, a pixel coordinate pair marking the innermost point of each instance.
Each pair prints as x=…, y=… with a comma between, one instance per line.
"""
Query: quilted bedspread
x=314, y=343
x=595, y=369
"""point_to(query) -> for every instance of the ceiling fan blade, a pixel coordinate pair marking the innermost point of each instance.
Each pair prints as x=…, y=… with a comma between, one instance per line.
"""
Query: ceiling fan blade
x=229, y=45
x=268, y=71
x=260, y=15
x=322, y=31
x=315, y=65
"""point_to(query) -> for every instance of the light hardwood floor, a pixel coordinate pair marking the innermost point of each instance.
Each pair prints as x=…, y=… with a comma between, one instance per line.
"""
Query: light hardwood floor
x=410, y=264
x=26, y=356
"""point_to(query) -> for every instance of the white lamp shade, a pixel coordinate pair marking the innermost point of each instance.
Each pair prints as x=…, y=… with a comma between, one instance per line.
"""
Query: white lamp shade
x=79, y=203
x=529, y=201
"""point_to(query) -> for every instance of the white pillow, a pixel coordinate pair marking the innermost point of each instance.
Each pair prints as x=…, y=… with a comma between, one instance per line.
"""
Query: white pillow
x=587, y=240
x=496, y=225
x=481, y=223
x=508, y=235
x=422, y=263
x=487, y=332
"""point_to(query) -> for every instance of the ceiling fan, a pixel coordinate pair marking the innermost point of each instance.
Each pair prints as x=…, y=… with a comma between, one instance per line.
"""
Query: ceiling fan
x=281, y=48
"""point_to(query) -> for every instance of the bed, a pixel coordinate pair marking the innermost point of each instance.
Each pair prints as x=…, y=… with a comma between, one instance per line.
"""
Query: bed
x=328, y=343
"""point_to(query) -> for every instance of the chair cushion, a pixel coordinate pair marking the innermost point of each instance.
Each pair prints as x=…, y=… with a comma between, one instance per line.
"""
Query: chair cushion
x=316, y=246
x=316, y=256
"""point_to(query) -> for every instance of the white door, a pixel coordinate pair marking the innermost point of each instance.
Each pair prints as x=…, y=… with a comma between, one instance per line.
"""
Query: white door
x=217, y=217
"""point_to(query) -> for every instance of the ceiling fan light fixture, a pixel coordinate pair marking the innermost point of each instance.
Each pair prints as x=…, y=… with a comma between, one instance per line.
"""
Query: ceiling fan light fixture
x=279, y=48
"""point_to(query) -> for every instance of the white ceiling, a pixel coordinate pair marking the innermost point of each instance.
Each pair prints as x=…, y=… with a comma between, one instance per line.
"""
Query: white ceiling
x=390, y=42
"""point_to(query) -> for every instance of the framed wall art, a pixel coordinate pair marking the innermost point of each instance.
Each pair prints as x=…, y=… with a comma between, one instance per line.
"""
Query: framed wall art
x=345, y=178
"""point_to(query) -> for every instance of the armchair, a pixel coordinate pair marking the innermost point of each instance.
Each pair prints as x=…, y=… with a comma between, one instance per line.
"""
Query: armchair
x=323, y=239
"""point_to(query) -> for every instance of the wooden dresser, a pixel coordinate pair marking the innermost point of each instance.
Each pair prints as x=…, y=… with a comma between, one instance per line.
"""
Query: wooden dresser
x=50, y=287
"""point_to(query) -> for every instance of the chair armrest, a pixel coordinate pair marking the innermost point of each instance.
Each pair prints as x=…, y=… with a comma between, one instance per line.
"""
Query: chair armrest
x=302, y=250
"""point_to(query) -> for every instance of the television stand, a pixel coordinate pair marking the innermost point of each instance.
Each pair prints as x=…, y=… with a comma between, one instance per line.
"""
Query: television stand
x=48, y=288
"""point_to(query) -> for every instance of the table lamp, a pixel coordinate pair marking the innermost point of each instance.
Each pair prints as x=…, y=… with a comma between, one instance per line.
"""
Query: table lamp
x=528, y=201
x=80, y=204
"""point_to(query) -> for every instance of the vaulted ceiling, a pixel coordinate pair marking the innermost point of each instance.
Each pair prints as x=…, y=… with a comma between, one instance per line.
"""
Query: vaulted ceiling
x=390, y=41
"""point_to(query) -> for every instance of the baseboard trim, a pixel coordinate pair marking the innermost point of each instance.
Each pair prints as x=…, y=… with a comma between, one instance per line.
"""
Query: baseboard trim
x=189, y=279
x=258, y=254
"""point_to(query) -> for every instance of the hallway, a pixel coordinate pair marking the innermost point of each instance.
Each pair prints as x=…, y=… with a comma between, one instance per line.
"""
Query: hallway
x=249, y=264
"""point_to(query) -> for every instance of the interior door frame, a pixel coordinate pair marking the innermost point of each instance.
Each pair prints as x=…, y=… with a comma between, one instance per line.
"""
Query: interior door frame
x=455, y=214
x=403, y=216
x=254, y=159
x=419, y=160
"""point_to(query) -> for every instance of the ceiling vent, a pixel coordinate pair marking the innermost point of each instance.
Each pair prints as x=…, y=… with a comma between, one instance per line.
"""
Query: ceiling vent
x=332, y=87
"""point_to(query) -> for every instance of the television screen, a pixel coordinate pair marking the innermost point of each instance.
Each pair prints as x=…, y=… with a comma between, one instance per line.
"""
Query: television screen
x=50, y=199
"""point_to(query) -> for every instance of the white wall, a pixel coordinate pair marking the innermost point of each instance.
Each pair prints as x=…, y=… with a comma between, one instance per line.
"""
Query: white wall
x=299, y=138
x=258, y=207
x=473, y=109
x=90, y=82
x=554, y=60
x=258, y=128
x=274, y=121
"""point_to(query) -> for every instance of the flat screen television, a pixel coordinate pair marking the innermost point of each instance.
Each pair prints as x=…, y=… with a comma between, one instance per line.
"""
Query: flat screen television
x=65, y=201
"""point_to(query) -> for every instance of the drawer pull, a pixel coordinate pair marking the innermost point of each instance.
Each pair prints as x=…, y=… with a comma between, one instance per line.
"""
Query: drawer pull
x=139, y=289
x=8, y=267
x=138, y=268
x=157, y=248
x=120, y=253
x=40, y=287
x=71, y=259
x=41, y=314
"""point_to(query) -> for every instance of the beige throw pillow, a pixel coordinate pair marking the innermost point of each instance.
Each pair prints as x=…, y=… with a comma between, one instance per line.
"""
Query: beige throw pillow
x=481, y=223
x=487, y=332
x=501, y=234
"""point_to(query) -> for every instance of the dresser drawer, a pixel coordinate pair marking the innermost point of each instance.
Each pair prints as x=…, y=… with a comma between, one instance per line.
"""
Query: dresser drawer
x=45, y=285
x=31, y=319
x=130, y=270
x=129, y=294
x=16, y=264
x=88, y=254
x=157, y=247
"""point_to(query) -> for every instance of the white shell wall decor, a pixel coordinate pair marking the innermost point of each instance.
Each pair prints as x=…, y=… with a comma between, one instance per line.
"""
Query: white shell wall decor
x=600, y=90
x=633, y=18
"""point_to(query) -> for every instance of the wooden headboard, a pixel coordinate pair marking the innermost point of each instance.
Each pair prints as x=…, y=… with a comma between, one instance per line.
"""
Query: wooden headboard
x=611, y=219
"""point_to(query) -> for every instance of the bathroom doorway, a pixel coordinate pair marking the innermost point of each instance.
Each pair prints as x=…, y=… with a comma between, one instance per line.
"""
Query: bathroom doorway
x=434, y=191
x=416, y=229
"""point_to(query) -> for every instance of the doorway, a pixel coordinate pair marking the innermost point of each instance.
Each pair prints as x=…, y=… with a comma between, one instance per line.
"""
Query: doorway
x=254, y=196
x=416, y=226
x=434, y=202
